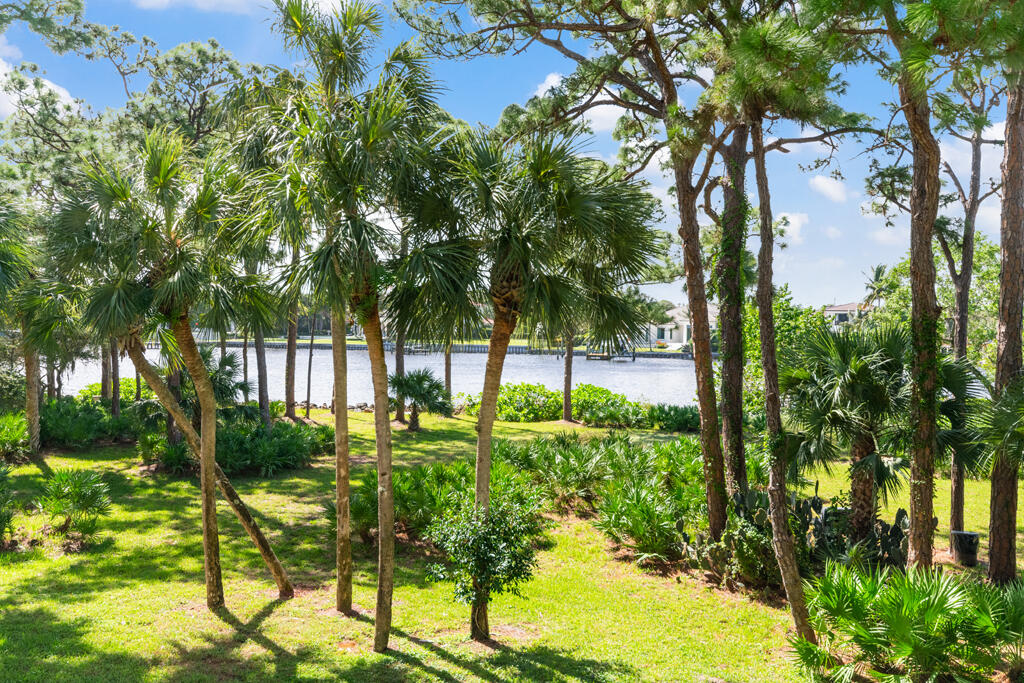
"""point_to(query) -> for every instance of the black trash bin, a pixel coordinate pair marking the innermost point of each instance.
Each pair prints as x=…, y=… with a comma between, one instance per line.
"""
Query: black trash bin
x=965, y=547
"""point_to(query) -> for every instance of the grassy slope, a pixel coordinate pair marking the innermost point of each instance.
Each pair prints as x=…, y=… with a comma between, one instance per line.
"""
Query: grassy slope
x=132, y=607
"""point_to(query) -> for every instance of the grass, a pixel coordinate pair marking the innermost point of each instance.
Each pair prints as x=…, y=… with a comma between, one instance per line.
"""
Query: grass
x=131, y=607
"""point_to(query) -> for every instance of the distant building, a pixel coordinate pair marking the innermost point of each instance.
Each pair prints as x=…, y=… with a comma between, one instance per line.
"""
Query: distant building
x=679, y=329
x=844, y=313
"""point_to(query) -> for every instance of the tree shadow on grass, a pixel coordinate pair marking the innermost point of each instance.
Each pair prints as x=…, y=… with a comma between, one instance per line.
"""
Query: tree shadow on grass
x=36, y=645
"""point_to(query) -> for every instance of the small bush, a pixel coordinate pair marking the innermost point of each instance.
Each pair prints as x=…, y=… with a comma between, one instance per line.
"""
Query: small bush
x=12, y=392
x=78, y=498
x=488, y=553
x=13, y=437
x=77, y=423
x=918, y=625
x=127, y=384
x=671, y=418
x=640, y=515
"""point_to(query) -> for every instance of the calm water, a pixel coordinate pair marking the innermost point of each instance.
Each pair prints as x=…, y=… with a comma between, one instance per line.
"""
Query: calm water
x=647, y=379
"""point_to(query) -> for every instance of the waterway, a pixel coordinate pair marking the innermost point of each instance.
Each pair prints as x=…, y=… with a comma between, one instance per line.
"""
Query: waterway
x=657, y=380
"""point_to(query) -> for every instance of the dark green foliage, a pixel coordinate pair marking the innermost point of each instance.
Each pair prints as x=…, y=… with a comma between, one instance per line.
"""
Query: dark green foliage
x=78, y=498
x=671, y=418
x=12, y=392
x=423, y=391
x=919, y=625
x=639, y=514
x=488, y=553
x=92, y=391
x=524, y=403
x=13, y=437
x=77, y=422
x=7, y=506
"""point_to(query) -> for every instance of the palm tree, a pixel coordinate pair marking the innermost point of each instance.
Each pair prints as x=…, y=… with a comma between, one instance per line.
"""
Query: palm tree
x=850, y=388
x=424, y=392
x=15, y=268
x=877, y=285
x=547, y=224
x=147, y=239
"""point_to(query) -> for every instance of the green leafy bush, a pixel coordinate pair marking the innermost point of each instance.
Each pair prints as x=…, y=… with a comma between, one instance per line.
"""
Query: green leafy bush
x=68, y=422
x=13, y=437
x=12, y=392
x=488, y=553
x=127, y=384
x=639, y=514
x=7, y=506
x=78, y=498
x=426, y=492
x=921, y=625
x=672, y=418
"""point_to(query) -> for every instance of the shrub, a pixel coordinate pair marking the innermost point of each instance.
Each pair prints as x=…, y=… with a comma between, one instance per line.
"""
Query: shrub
x=7, y=506
x=12, y=392
x=423, y=392
x=362, y=506
x=488, y=553
x=68, y=422
x=92, y=391
x=426, y=492
x=13, y=437
x=528, y=403
x=918, y=625
x=80, y=497
x=587, y=397
x=640, y=515
x=671, y=418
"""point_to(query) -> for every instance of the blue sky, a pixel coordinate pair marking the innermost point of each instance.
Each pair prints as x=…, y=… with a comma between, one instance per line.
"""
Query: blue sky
x=830, y=244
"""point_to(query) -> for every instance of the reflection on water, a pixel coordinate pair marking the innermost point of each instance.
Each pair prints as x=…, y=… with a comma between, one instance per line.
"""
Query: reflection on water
x=647, y=379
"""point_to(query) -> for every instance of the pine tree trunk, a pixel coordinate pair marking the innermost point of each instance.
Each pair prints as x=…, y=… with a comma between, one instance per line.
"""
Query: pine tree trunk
x=343, y=553
x=710, y=440
x=924, y=316
x=104, y=371
x=309, y=364
x=31, y=391
x=862, y=489
x=448, y=369
x=207, y=458
x=567, y=379
x=137, y=353
x=778, y=500
x=385, y=493
x=730, y=284
x=262, y=390
x=1003, y=514
x=115, y=379
x=504, y=325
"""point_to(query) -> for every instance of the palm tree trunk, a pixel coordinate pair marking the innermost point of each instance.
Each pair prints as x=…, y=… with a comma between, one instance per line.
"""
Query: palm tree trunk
x=291, y=351
x=137, y=353
x=223, y=343
x=924, y=317
x=1002, y=566
x=710, y=440
x=730, y=259
x=778, y=500
x=104, y=371
x=115, y=379
x=261, y=376
x=207, y=458
x=343, y=554
x=504, y=325
x=385, y=493
x=309, y=364
x=400, y=371
x=448, y=369
x=245, y=365
x=567, y=379
x=862, y=489
x=31, y=391
x=51, y=381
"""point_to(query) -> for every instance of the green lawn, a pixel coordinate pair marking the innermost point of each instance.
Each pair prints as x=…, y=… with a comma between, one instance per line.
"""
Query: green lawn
x=131, y=608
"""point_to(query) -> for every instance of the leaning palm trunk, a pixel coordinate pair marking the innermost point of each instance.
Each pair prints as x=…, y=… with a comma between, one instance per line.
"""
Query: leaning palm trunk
x=504, y=325
x=778, y=501
x=31, y=392
x=207, y=457
x=1003, y=515
x=710, y=440
x=343, y=551
x=261, y=377
x=385, y=493
x=163, y=393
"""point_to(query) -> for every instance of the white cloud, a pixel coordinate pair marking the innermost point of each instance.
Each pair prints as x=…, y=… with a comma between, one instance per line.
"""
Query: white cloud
x=603, y=118
x=8, y=51
x=833, y=233
x=232, y=6
x=550, y=81
x=795, y=227
x=7, y=101
x=891, y=237
x=831, y=188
